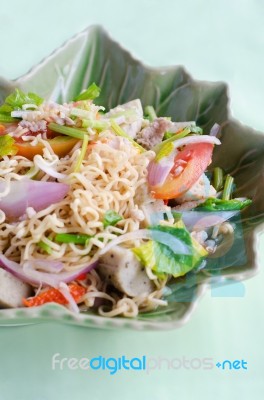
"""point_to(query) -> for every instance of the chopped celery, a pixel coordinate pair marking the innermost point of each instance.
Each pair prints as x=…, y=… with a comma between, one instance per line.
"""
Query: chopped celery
x=218, y=178
x=91, y=93
x=228, y=187
x=151, y=113
x=168, y=135
x=96, y=124
x=176, y=136
x=82, y=154
x=66, y=130
x=120, y=132
x=193, y=130
x=79, y=112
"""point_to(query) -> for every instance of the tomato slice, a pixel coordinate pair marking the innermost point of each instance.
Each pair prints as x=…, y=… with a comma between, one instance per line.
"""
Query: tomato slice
x=61, y=146
x=193, y=160
x=2, y=129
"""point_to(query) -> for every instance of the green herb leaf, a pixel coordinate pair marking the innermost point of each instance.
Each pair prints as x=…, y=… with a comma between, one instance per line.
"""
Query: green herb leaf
x=111, y=218
x=7, y=146
x=72, y=238
x=213, y=204
x=91, y=93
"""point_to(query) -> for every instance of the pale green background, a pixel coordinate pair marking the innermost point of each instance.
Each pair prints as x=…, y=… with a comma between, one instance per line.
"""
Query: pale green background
x=215, y=40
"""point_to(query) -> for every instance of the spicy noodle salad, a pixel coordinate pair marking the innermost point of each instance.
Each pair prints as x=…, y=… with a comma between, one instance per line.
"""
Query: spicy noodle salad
x=92, y=203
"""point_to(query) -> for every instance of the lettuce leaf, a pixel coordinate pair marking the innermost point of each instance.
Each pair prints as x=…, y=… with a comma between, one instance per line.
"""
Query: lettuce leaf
x=15, y=101
x=7, y=146
x=165, y=259
x=18, y=98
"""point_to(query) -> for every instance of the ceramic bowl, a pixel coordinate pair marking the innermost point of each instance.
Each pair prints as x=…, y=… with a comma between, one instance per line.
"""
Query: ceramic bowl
x=93, y=56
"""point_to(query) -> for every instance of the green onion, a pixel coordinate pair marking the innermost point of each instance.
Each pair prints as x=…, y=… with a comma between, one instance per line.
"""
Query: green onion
x=65, y=130
x=218, y=178
x=176, y=136
x=228, y=187
x=45, y=247
x=111, y=218
x=7, y=118
x=96, y=124
x=120, y=132
x=72, y=238
x=82, y=154
x=91, y=93
x=151, y=113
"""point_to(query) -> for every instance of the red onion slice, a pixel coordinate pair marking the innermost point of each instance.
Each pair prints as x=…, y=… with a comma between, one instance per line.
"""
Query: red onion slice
x=215, y=130
x=28, y=193
x=195, y=139
x=28, y=274
x=158, y=173
x=49, y=265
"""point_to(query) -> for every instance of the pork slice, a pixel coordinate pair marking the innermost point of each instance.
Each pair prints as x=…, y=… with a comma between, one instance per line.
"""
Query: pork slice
x=121, y=268
x=12, y=290
x=153, y=134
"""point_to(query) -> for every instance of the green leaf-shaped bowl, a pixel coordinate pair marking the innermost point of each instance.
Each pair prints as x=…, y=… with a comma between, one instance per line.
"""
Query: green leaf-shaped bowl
x=92, y=56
